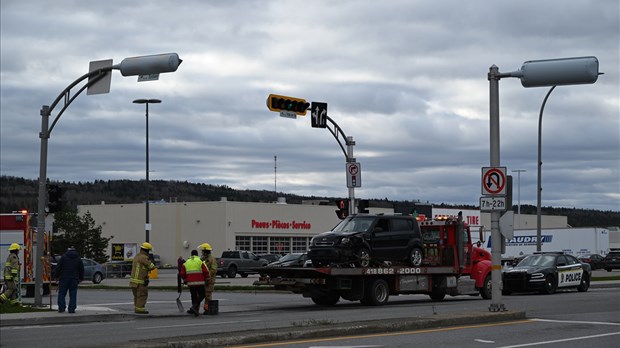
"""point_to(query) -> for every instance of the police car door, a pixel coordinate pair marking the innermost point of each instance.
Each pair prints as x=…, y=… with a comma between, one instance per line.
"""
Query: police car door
x=569, y=272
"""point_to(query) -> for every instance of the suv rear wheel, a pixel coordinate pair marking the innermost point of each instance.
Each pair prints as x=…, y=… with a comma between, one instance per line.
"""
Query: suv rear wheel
x=416, y=256
x=363, y=257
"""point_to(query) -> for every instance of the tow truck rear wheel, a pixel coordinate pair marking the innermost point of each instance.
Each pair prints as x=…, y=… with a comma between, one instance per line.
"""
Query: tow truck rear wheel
x=326, y=300
x=377, y=293
x=437, y=294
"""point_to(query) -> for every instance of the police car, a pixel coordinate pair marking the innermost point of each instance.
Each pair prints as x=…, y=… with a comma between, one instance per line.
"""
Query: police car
x=547, y=272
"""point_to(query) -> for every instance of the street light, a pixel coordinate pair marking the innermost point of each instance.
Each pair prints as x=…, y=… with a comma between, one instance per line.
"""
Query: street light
x=519, y=171
x=99, y=72
x=147, y=225
x=535, y=73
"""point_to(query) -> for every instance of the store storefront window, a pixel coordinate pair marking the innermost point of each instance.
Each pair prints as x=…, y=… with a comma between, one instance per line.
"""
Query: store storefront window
x=300, y=244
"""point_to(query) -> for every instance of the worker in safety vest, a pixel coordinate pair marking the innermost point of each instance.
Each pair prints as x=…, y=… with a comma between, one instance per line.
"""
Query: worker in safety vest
x=194, y=273
x=209, y=261
x=11, y=276
x=139, y=281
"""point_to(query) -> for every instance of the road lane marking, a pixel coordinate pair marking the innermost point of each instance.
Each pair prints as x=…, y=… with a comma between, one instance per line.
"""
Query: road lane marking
x=561, y=340
x=483, y=341
x=577, y=322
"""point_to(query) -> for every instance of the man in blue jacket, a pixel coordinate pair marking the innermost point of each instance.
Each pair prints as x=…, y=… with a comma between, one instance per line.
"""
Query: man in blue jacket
x=69, y=271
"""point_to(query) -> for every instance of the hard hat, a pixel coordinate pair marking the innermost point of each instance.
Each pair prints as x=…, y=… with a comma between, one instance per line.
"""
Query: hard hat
x=205, y=246
x=147, y=246
x=14, y=246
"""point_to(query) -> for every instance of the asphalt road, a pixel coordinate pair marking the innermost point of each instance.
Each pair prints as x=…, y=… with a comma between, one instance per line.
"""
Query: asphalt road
x=241, y=313
x=594, y=315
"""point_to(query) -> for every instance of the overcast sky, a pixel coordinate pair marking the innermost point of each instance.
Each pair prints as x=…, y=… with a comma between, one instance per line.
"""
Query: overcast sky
x=406, y=79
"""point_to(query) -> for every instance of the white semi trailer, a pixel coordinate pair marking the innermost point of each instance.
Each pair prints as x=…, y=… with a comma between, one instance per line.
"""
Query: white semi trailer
x=574, y=241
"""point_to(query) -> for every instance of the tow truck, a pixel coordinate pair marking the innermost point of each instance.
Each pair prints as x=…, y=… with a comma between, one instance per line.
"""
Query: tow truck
x=452, y=266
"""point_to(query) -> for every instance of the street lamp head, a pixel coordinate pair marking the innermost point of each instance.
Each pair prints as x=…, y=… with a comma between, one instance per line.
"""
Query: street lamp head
x=557, y=72
x=147, y=101
x=146, y=65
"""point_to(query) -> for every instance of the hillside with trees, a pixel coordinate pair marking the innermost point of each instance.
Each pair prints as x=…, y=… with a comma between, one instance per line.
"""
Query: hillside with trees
x=19, y=193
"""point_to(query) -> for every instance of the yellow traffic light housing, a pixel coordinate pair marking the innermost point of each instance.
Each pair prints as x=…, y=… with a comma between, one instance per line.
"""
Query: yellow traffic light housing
x=280, y=103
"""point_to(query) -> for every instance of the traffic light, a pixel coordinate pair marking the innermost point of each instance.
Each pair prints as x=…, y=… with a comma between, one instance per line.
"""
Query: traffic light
x=282, y=103
x=54, y=198
x=343, y=208
x=362, y=206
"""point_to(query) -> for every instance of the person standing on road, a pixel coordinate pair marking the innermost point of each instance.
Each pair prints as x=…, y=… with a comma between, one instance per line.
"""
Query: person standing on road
x=11, y=276
x=194, y=273
x=70, y=272
x=209, y=261
x=139, y=281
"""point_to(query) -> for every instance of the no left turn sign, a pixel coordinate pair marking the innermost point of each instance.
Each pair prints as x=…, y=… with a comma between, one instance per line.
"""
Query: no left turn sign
x=494, y=181
x=354, y=175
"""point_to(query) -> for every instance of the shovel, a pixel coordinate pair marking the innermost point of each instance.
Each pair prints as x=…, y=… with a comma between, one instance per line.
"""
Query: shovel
x=179, y=289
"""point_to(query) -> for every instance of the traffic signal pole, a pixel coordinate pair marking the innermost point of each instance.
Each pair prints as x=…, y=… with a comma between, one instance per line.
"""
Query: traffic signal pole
x=290, y=107
x=351, y=159
x=348, y=153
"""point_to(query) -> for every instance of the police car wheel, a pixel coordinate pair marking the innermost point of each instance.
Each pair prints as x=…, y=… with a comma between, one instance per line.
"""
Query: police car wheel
x=550, y=285
x=585, y=284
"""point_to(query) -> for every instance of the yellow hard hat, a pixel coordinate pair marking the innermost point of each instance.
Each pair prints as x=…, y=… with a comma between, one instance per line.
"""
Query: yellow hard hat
x=205, y=246
x=14, y=246
x=147, y=246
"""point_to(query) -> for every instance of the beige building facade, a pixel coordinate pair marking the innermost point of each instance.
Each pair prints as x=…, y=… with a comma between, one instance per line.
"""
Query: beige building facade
x=263, y=228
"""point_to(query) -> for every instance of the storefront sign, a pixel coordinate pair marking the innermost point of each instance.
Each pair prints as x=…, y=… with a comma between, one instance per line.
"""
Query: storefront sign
x=281, y=225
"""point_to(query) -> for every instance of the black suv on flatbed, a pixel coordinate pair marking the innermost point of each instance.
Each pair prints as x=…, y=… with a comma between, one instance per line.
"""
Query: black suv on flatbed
x=363, y=239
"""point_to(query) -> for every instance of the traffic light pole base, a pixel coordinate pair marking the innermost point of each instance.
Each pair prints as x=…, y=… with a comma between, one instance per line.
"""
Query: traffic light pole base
x=497, y=307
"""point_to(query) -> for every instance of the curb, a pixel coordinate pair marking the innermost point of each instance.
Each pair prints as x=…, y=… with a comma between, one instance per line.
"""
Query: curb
x=332, y=330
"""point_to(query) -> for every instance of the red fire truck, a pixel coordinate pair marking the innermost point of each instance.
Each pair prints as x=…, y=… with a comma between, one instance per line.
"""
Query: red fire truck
x=452, y=266
x=15, y=228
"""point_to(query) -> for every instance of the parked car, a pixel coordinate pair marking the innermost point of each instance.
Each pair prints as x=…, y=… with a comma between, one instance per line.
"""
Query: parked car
x=290, y=260
x=238, y=261
x=595, y=260
x=93, y=271
x=118, y=269
x=546, y=272
x=363, y=239
x=270, y=257
x=612, y=260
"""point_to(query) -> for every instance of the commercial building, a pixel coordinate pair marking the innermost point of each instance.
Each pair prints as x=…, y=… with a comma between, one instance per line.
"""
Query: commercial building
x=262, y=228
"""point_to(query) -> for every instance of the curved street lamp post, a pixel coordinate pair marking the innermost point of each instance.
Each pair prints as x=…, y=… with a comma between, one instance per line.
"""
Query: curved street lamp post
x=99, y=73
x=534, y=73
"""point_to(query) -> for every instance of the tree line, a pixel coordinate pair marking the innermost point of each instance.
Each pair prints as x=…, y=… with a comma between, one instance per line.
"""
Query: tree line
x=19, y=193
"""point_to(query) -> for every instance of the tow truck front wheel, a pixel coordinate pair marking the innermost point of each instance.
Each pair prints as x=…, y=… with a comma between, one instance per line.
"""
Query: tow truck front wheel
x=377, y=293
x=487, y=288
